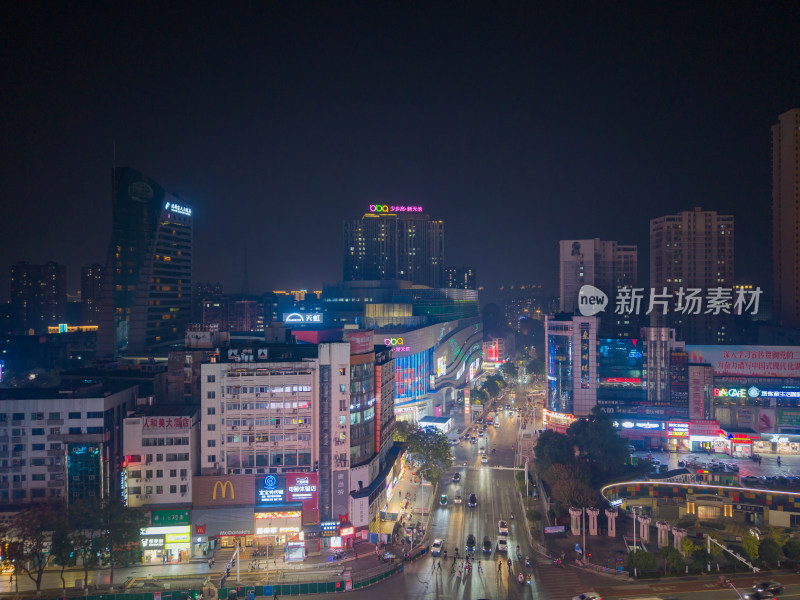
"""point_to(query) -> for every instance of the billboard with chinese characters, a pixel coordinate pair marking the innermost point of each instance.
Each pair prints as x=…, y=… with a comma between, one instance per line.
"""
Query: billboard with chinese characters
x=584, y=330
x=748, y=361
x=304, y=487
x=271, y=489
x=166, y=423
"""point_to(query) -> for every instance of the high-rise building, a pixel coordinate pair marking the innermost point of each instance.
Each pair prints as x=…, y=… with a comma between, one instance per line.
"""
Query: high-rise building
x=147, y=292
x=91, y=282
x=38, y=296
x=460, y=277
x=606, y=265
x=786, y=219
x=394, y=245
x=693, y=249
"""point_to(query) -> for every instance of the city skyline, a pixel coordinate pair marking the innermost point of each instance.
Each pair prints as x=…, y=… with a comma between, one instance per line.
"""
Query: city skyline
x=491, y=121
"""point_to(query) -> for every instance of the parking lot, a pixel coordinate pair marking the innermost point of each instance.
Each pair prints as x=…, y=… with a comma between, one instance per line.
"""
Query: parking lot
x=767, y=474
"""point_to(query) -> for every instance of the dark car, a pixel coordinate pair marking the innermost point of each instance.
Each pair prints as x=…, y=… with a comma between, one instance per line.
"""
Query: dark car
x=473, y=501
x=470, y=547
x=768, y=587
x=456, y=477
x=487, y=545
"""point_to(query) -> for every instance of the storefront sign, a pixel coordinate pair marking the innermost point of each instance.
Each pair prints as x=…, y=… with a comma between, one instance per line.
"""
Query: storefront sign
x=789, y=418
x=304, y=487
x=166, y=422
x=223, y=489
x=170, y=517
x=678, y=429
x=329, y=528
x=704, y=427
x=172, y=538
x=272, y=490
x=754, y=508
x=153, y=542
x=291, y=514
x=178, y=208
x=555, y=529
x=348, y=531
x=302, y=317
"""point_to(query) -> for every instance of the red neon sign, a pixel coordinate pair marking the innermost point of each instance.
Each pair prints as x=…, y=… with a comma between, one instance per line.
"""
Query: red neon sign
x=622, y=380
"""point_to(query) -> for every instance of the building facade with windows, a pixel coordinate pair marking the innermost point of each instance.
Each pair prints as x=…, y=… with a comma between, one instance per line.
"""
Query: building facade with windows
x=58, y=443
x=786, y=219
x=38, y=296
x=394, y=246
x=161, y=455
x=606, y=265
x=692, y=250
x=279, y=409
x=147, y=293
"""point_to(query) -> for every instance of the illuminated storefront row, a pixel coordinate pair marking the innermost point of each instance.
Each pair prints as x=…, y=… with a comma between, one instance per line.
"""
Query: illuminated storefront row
x=168, y=538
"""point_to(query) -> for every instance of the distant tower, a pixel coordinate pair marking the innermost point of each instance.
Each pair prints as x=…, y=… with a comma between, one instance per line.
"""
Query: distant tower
x=147, y=285
x=245, y=278
x=786, y=218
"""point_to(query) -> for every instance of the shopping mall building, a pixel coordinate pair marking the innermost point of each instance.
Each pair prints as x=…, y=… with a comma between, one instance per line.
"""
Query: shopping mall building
x=663, y=394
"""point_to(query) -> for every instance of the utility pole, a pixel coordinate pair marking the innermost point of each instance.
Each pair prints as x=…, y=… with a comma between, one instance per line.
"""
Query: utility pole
x=583, y=528
x=634, y=539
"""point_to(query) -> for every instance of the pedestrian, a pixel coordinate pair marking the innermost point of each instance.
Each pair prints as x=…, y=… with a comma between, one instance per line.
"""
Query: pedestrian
x=275, y=595
x=480, y=570
x=433, y=566
x=499, y=566
x=439, y=565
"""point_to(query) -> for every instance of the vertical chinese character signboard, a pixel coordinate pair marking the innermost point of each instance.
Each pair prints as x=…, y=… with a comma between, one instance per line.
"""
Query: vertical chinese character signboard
x=584, y=329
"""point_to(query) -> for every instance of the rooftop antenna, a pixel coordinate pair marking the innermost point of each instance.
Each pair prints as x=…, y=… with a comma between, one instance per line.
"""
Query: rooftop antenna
x=245, y=281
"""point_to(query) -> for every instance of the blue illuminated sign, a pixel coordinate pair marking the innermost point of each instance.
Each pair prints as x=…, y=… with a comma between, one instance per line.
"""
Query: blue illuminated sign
x=272, y=491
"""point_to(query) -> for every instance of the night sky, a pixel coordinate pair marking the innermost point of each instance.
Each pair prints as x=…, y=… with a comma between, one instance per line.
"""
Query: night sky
x=518, y=126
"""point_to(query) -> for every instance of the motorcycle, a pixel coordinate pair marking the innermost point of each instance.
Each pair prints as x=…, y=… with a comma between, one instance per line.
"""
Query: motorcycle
x=521, y=579
x=528, y=562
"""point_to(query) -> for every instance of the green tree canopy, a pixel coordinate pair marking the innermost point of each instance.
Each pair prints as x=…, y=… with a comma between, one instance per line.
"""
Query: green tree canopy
x=62, y=549
x=553, y=449
x=672, y=557
x=123, y=538
x=641, y=560
x=432, y=449
x=493, y=385
x=509, y=369
x=402, y=430
x=792, y=549
x=769, y=551
x=535, y=367
x=750, y=545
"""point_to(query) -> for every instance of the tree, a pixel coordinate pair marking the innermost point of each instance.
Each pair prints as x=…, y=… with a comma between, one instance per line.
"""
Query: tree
x=28, y=537
x=769, y=551
x=641, y=560
x=62, y=549
x=553, y=449
x=478, y=395
x=689, y=547
x=600, y=444
x=123, y=533
x=535, y=367
x=671, y=556
x=402, y=430
x=750, y=545
x=716, y=551
x=509, y=369
x=493, y=385
x=569, y=487
x=792, y=549
x=433, y=450
x=87, y=534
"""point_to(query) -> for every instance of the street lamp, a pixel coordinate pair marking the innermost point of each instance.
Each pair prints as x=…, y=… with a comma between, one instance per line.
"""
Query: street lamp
x=633, y=509
x=422, y=499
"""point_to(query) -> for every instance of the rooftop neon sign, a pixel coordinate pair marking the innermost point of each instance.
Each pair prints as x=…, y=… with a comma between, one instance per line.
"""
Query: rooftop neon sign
x=385, y=209
x=177, y=208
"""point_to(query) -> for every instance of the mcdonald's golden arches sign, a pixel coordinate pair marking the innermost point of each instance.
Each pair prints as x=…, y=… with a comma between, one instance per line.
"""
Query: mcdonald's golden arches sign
x=223, y=490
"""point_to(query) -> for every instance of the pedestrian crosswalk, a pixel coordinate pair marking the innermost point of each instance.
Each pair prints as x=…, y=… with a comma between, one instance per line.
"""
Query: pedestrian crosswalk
x=557, y=583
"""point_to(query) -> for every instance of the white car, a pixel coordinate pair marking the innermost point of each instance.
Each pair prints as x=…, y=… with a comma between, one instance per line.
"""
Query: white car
x=502, y=527
x=436, y=547
x=502, y=544
x=484, y=459
x=587, y=596
x=457, y=499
